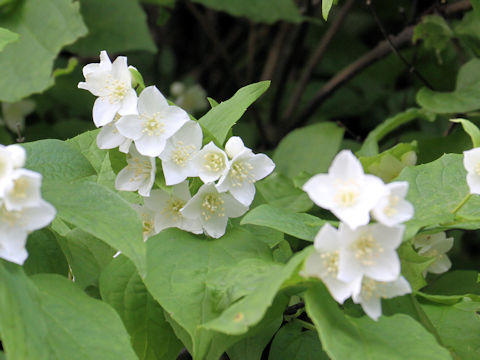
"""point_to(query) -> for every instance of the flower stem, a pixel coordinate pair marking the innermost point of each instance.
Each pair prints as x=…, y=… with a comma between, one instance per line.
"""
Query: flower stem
x=460, y=205
x=306, y=325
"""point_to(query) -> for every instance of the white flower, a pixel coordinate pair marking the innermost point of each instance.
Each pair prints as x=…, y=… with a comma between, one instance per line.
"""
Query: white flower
x=213, y=209
x=211, y=163
x=471, y=161
x=112, y=83
x=23, y=190
x=11, y=157
x=148, y=223
x=435, y=245
x=234, y=146
x=139, y=174
x=155, y=123
x=179, y=151
x=109, y=137
x=346, y=191
x=244, y=170
x=18, y=155
x=373, y=291
x=15, y=226
x=166, y=207
x=323, y=264
x=392, y=209
x=370, y=251
x=14, y=114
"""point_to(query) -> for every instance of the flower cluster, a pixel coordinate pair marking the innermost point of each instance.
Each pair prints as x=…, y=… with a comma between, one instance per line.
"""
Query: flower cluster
x=359, y=259
x=22, y=208
x=147, y=127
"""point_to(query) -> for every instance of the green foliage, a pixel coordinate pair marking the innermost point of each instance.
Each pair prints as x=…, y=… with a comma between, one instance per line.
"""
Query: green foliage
x=326, y=7
x=26, y=65
x=471, y=129
x=434, y=31
x=7, y=37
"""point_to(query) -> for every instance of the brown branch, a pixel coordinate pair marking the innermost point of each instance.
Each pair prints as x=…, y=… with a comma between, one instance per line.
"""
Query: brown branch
x=274, y=53
x=315, y=59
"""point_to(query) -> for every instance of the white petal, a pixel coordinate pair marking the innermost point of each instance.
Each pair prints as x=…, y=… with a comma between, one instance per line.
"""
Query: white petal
x=321, y=190
x=38, y=216
x=471, y=159
x=130, y=126
x=18, y=155
x=150, y=145
x=327, y=239
x=473, y=181
x=173, y=173
x=127, y=181
x=372, y=307
x=12, y=245
x=151, y=101
x=129, y=103
x=262, y=166
x=120, y=70
x=234, y=146
x=24, y=190
x=109, y=137
x=104, y=111
x=441, y=264
x=233, y=208
x=216, y=226
x=244, y=194
x=346, y=166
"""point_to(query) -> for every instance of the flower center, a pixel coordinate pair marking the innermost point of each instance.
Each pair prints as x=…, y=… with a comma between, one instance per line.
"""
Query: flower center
x=141, y=167
x=116, y=90
x=182, y=153
x=214, y=162
x=477, y=169
x=173, y=208
x=20, y=188
x=390, y=210
x=147, y=227
x=212, y=204
x=347, y=194
x=153, y=126
x=366, y=249
x=369, y=288
x=330, y=263
x=240, y=172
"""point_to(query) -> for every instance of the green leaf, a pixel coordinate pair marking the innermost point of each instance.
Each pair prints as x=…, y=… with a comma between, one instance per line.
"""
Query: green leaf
x=44, y=254
x=181, y=284
x=413, y=265
x=86, y=255
x=463, y=99
x=57, y=160
x=326, y=7
x=222, y=117
x=471, y=129
x=267, y=11
x=100, y=212
x=344, y=337
x=50, y=318
x=7, y=37
x=26, y=65
x=476, y=7
x=459, y=282
x=434, y=31
x=458, y=326
x=370, y=145
x=115, y=26
x=291, y=343
x=299, y=151
x=302, y=226
x=151, y=336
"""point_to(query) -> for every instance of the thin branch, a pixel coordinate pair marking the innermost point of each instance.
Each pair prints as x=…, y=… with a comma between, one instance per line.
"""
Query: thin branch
x=291, y=310
x=315, y=59
x=274, y=53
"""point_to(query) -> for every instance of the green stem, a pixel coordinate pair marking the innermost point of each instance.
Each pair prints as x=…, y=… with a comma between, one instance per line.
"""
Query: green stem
x=460, y=205
x=306, y=325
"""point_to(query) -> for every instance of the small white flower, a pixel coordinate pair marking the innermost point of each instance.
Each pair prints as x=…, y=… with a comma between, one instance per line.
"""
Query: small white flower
x=179, y=151
x=346, y=191
x=471, y=162
x=139, y=174
x=15, y=226
x=148, y=223
x=392, y=209
x=213, y=209
x=14, y=114
x=244, y=170
x=211, y=163
x=155, y=123
x=23, y=190
x=112, y=83
x=370, y=251
x=166, y=207
x=109, y=137
x=435, y=245
x=323, y=264
x=373, y=291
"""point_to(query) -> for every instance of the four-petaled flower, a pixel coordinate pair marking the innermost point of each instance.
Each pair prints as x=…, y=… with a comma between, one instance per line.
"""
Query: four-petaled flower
x=392, y=209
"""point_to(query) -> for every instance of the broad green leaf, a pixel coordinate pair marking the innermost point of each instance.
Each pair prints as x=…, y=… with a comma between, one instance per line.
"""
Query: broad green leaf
x=310, y=149
x=463, y=99
x=57, y=160
x=180, y=283
x=86, y=255
x=300, y=225
x=291, y=343
x=326, y=7
x=267, y=11
x=413, y=265
x=471, y=129
x=434, y=31
x=467, y=31
x=7, y=37
x=115, y=26
x=458, y=326
x=370, y=145
x=279, y=191
x=44, y=26
x=459, y=282
x=344, y=337
x=44, y=254
x=222, y=117
x=151, y=335
x=89, y=330
x=100, y=212
x=248, y=311
x=86, y=144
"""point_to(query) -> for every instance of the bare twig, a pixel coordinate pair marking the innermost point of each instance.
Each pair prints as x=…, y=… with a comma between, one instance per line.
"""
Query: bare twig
x=315, y=59
x=20, y=138
x=274, y=53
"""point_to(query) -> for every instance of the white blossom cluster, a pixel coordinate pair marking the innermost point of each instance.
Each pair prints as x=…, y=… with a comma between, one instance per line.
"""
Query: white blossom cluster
x=22, y=209
x=147, y=127
x=359, y=259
